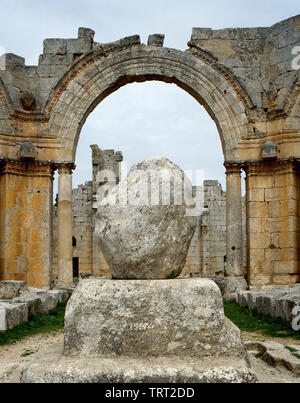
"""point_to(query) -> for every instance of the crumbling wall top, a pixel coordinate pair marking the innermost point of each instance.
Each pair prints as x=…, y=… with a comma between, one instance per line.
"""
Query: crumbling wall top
x=261, y=59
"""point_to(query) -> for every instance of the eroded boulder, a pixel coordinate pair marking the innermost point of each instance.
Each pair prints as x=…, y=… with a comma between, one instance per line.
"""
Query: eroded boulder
x=143, y=223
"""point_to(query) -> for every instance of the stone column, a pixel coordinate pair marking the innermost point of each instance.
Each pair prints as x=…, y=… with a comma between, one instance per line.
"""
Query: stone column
x=234, y=226
x=64, y=212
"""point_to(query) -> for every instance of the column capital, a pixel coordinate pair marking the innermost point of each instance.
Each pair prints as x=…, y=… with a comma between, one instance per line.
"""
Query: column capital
x=26, y=168
x=233, y=167
x=271, y=167
x=66, y=168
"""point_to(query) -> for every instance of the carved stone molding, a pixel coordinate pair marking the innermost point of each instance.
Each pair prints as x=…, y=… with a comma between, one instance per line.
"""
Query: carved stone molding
x=65, y=168
x=233, y=168
x=271, y=167
x=26, y=168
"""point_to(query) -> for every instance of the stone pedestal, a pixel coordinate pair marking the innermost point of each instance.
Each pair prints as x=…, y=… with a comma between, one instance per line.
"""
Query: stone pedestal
x=145, y=331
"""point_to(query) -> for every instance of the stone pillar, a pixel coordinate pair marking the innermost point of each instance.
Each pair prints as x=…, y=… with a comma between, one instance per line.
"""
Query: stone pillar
x=64, y=213
x=234, y=226
x=26, y=198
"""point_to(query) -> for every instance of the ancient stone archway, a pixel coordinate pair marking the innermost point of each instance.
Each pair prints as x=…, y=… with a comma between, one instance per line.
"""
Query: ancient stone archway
x=43, y=109
x=107, y=68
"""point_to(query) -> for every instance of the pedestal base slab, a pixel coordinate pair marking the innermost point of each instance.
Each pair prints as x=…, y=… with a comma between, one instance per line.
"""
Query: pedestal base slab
x=50, y=366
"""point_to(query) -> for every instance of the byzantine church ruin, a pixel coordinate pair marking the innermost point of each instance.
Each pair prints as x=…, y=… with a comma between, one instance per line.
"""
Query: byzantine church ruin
x=247, y=79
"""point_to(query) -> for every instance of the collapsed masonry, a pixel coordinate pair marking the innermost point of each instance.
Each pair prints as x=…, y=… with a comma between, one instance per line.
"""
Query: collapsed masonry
x=18, y=302
x=207, y=253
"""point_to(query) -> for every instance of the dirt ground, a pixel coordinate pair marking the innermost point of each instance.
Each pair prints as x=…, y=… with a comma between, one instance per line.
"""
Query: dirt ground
x=14, y=356
x=266, y=373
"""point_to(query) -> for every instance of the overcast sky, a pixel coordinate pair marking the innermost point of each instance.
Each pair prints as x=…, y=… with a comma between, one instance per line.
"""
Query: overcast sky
x=147, y=119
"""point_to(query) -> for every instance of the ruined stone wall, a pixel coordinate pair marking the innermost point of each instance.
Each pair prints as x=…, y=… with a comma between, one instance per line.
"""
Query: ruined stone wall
x=261, y=59
x=213, y=229
x=193, y=260
x=84, y=204
x=207, y=254
x=83, y=226
x=108, y=163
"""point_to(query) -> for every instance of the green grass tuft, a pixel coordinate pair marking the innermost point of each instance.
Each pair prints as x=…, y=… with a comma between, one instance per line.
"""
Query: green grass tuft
x=291, y=350
x=171, y=276
x=253, y=322
x=47, y=323
x=27, y=353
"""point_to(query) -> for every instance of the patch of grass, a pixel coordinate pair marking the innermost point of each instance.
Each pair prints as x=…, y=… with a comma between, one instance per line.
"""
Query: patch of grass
x=253, y=322
x=26, y=354
x=291, y=350
x=171, y=276
x=47, y=323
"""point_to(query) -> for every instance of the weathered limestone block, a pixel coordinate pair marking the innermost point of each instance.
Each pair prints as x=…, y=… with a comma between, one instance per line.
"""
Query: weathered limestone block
x=156, y=40
x=242, y=298
x=27, y=150
x=219, y=280
x=61, y=295
x=86, y=33
x=108, y=318
x=291, y=303
x=51, y=367
x=252, y=300
x=68, y=288
x=10, y=289
x=232, y=286
x=143, y=236
x=144, y=332
x=12, y=315
x=48, y=301
x=32, y=302
x=285, y=305
x=55, y=46
x=229, y=286
x=265, y=304
x=278, y=355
